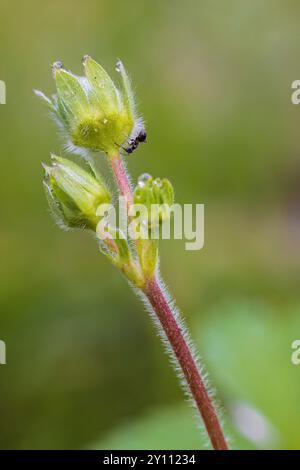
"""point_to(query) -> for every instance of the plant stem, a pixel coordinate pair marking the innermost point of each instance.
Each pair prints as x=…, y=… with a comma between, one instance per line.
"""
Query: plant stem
x=123, y=183
x=121, y=177
x=179, y=345
x=167, y=319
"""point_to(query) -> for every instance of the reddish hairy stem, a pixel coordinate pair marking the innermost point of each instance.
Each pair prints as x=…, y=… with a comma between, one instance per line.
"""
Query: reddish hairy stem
x=121, y=177
x=173, y=332
x=187, y=363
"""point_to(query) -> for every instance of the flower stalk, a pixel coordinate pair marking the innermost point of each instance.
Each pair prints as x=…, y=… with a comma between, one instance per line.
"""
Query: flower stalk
x=186, y=361
x=97, y=116
x=121, y=177
x=156, y=296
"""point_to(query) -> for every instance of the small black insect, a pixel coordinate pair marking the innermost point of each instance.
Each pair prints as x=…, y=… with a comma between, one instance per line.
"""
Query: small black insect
x=134, y=142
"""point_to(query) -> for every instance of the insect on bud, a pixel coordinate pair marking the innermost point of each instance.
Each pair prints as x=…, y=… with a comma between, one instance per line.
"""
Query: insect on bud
x=74, y=194
x=92, y=111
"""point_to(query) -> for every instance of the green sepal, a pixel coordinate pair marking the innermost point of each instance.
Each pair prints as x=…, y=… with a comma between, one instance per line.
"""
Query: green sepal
x=72, y=101
x=127, y=92
x=104, y=90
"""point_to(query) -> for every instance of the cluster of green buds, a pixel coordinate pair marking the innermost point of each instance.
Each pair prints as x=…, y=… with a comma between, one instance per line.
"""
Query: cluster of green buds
x=96, y=115
x=92, y=111
x=75, y=197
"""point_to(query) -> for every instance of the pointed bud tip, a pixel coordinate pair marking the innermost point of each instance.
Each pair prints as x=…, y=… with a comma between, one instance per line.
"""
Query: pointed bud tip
x=57, y=66
x=47, y=169
x=85, y=58
x=118, y=65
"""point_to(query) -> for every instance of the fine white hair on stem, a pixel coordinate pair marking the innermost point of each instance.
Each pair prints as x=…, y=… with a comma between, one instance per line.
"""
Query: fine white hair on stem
x=170, y=352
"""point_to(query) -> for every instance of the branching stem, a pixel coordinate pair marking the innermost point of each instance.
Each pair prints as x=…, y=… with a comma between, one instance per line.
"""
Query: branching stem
x=173, y=332
x=121, y=177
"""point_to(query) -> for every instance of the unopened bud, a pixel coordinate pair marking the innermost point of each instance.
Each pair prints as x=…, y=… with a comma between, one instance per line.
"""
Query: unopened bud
x=93, y=112
x=74, y=194
x=157, y=195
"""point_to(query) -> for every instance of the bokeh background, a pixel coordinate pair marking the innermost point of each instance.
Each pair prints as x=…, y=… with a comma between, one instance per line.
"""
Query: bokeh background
x=84, y=366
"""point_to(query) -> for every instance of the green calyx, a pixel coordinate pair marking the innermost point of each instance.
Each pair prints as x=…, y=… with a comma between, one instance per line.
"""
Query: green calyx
x=94, y=113
x=74, y=194
x=157, y=195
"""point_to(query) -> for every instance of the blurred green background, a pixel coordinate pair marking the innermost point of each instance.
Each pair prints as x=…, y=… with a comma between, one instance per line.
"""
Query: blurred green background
x=84, y=366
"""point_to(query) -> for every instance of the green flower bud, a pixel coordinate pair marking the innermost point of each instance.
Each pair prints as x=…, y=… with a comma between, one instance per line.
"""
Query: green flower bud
x=92, y=111
x=157, y=195
x=74, y=194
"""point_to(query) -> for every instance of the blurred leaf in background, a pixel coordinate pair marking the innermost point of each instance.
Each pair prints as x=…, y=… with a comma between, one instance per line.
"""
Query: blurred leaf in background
x=248, y=346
